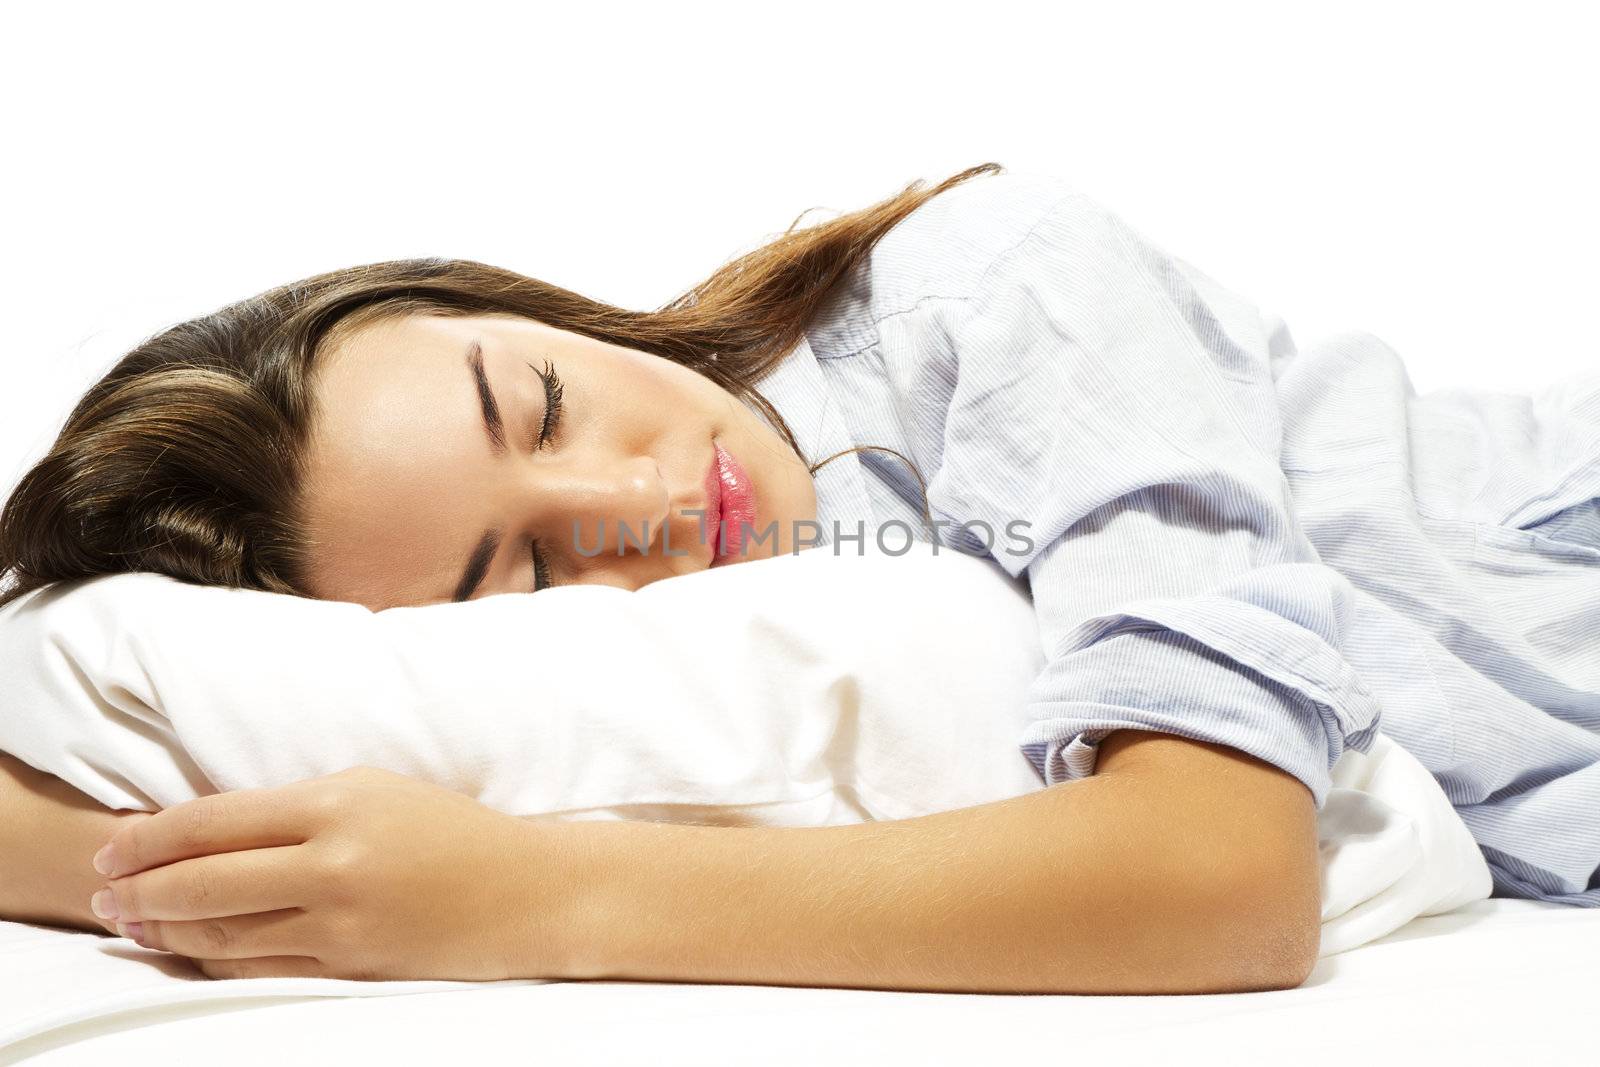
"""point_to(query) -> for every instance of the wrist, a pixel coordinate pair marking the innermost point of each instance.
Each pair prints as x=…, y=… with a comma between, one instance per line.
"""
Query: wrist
x=555, y=882
x=52, y=832
x=648, y=901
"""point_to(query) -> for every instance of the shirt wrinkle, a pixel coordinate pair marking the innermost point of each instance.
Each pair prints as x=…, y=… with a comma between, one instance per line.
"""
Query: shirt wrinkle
x=1235, y=540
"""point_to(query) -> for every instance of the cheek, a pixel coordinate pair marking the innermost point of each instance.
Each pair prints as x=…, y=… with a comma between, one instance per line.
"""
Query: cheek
x=648, y=392
x=802, y=492
x=789, y=492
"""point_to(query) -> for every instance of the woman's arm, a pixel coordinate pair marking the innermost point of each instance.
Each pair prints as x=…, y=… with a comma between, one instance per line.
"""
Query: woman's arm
x=1178, y=867
x=48, y=833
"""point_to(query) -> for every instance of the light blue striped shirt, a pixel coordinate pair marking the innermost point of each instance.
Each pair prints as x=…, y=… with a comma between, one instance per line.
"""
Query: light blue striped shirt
x=1226, y=538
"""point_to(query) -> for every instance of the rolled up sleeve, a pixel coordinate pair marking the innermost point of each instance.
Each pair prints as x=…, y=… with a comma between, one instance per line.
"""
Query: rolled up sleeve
x=1106, y=397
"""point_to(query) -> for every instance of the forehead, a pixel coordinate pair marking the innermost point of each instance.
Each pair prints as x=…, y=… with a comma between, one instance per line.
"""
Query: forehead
x=373, y=385
x=417, y=341
x=397, y=448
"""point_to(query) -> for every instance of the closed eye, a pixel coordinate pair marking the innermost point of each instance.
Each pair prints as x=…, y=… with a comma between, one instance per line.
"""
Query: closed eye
x=553, y=408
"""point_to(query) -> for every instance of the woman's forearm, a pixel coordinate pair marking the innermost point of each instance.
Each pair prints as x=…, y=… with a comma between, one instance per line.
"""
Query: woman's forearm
x=1195, y=877
x=49, y=832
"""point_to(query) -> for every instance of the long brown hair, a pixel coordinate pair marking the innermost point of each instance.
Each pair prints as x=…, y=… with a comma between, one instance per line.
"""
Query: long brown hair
x=186, y=458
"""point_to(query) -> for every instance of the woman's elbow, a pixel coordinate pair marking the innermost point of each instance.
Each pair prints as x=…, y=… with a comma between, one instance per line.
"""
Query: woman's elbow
x=1285, y=952
x=1240, y=837
x=1269, y=933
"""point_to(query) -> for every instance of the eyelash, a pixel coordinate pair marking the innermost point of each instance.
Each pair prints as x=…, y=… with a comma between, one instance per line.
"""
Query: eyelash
x=553, y=410
x=552, y=401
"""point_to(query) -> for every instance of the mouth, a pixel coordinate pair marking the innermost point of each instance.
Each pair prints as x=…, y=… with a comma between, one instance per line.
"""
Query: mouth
x=730, y=505
x=713, y=505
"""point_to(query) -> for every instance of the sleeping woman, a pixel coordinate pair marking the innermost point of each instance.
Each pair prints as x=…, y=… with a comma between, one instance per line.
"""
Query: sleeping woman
x=1243, y=558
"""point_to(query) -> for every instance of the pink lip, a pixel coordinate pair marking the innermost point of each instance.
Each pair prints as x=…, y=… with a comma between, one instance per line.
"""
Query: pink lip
x=731, y=500
x=713, y=508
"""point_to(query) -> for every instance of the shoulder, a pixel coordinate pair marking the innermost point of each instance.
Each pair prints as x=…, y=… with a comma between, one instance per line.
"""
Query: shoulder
x=985, y=214
x=944, y=248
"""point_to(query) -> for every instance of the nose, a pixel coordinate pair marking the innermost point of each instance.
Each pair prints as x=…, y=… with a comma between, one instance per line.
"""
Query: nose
x=595, y=507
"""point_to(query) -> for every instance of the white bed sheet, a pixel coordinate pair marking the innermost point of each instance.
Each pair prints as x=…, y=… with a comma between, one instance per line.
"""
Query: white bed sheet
x=1494, y=981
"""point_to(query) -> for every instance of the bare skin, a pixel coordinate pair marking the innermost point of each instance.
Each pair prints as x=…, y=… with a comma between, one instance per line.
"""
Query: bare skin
x=403, y=479
x=49, y=832
x=1179, y=867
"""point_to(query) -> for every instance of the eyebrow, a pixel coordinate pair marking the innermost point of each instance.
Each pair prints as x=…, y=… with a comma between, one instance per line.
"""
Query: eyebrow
x=477, y=565
x=484, y=552
x=486, y=401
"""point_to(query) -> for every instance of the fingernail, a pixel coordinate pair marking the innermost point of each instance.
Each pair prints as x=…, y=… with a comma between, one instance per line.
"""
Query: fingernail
x=103, y=903
x=132, y=931
x=102, y=859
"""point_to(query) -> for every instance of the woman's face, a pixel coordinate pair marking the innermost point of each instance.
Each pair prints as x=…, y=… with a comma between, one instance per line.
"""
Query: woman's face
x=411, y=498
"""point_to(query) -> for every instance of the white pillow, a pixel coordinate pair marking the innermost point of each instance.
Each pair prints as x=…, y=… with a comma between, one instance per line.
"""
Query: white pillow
x=803, y=690
x=800, y=690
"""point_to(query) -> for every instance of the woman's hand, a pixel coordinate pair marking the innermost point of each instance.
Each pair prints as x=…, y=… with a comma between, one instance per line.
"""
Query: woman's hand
x=363, y=874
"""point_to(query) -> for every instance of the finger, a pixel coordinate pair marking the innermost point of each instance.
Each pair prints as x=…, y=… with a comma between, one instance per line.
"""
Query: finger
x=209, y=887
x=221, y=822
x=286, y=932
x=265, y=967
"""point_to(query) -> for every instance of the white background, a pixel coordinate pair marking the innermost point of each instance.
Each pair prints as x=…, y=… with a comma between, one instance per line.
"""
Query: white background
x=1426, y=172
